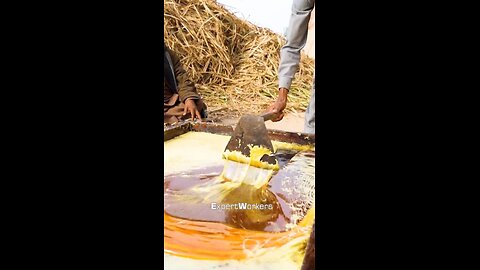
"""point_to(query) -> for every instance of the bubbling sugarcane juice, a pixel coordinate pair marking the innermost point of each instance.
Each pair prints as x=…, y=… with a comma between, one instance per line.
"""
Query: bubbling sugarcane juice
x=211, y=221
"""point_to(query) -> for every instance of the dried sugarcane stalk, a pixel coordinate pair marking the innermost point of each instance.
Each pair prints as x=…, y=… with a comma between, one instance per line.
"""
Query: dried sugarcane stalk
x=233, y=62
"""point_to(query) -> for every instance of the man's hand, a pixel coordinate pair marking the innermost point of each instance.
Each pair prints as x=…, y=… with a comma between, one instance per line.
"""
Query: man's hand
x=279, y=104
x=191, y=107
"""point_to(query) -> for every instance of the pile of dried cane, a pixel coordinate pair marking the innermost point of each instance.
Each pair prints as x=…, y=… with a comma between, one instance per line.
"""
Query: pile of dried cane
x=233, y=62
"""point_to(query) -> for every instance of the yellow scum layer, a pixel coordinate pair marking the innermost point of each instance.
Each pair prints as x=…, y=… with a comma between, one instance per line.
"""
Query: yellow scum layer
x=256, y=153
x=309, y=218
x=291, y=146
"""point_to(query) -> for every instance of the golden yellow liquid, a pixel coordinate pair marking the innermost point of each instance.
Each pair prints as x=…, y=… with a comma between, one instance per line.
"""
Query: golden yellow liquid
x=217, y=241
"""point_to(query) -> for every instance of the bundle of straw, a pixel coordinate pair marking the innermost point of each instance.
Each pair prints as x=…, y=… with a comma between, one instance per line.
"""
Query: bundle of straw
x=233, y=62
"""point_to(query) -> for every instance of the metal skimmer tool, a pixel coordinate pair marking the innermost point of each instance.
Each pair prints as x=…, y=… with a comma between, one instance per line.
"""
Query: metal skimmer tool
x=249, y=155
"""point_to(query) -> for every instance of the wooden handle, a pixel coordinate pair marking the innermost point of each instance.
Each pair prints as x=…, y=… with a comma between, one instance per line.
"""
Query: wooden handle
x=268, y=116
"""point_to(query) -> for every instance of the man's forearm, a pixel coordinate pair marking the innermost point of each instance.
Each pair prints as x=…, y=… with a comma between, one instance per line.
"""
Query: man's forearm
x=282, y=94
x=186, y=88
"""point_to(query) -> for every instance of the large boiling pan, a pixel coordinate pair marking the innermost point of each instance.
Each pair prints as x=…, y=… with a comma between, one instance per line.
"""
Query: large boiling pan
x=274, y=135
x=178, y=129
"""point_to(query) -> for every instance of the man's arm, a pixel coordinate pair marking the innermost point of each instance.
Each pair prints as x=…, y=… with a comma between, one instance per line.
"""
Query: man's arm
x=296, y=40
x=290, y=52
x=186, y=88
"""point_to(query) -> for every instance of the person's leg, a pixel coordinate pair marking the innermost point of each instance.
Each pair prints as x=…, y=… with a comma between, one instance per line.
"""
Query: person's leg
x=310, y=114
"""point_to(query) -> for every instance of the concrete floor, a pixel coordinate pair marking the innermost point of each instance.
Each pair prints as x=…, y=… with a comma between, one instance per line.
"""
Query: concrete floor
x=292, y=122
